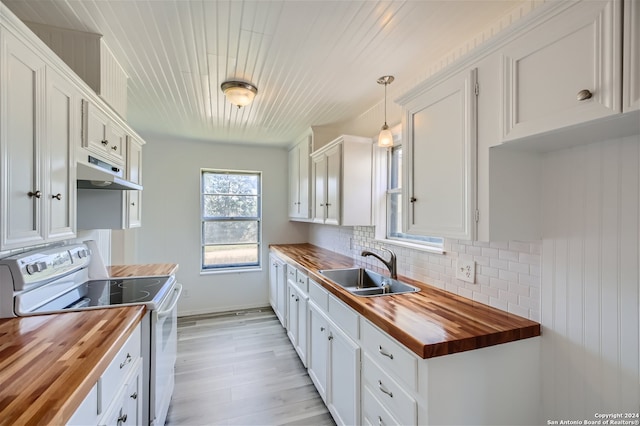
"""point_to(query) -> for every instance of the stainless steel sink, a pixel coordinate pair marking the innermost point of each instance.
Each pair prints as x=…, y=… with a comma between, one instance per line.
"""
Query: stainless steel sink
x=366, y=283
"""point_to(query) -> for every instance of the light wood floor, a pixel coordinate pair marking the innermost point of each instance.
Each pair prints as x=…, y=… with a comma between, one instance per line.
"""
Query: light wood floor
x=241, y=369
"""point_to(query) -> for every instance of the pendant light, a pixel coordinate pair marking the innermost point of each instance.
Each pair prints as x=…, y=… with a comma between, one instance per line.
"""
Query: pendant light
x=385, y=138
x=239, y=93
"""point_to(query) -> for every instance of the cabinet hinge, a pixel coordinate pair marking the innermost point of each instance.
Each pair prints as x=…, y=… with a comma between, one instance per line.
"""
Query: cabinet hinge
x=477, y=216
x=477, y=89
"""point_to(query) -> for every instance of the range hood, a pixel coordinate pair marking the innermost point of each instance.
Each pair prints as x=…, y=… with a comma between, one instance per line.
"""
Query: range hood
x=96, y=174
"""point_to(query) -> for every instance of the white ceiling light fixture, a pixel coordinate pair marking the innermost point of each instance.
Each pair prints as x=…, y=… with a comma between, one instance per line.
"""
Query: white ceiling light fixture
x=239, y=93
x=385, y=138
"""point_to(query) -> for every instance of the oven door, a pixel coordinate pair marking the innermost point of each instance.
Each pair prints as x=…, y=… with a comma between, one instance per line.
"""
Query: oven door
x=165, y=345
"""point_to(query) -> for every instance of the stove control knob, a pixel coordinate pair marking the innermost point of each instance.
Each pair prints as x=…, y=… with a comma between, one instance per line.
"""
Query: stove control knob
x=82, y=253
x=32, y=268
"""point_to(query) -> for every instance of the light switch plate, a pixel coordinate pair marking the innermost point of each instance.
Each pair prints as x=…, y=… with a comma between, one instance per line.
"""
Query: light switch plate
x=466, y=270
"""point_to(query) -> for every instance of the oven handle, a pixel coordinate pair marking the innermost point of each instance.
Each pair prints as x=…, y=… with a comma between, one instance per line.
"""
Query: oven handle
x=164, y=312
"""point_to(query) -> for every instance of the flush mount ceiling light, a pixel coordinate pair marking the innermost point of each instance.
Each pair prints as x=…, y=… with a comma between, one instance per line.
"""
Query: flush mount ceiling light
x=239, y=93
x=385, y=138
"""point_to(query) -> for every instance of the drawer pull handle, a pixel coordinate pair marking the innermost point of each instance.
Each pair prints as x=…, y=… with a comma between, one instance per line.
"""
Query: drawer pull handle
x=58, y=196
x=104, y=142
x=382, y=352
x=583, y=95
x=114, y=147
x=321, y=328
x=383, y=390
x=122, y=419
x=126, y=361
x=36, y=194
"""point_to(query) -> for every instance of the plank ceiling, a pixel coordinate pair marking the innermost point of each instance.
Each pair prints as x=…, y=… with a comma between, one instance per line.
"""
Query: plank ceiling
x=315, y=62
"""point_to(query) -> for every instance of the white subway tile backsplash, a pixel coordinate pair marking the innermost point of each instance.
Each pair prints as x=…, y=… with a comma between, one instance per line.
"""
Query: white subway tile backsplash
x=507, y=273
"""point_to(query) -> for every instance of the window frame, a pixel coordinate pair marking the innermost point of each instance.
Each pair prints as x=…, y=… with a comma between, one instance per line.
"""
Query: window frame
x=382, y=161
x=241, y=267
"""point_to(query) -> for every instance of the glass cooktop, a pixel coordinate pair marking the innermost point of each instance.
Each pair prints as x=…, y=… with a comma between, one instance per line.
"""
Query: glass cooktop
x=149, y=291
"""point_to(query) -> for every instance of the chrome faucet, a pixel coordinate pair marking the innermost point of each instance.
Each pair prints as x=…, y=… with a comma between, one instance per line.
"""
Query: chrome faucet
x=391, y=264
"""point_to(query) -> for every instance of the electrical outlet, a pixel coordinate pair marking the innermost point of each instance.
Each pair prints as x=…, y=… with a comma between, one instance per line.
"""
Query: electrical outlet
x=466, y=270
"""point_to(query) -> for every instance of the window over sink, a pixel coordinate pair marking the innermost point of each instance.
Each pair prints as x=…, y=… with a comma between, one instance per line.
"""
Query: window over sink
x=231, y=217
x=389, y=226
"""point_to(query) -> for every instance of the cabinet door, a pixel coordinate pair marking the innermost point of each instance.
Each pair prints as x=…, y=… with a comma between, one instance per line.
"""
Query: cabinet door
x=134, y=160
x=564, y=72
x=301, y=342
x=294, y=182
x=282, y=293
x=63, y=129
x=304, y=170
x=134, y=209
x=318, y=356
x=292, y=318
x=117, y=143
x=22, y=114
x=631, y=56
x=441, y=158
x=319, y=164
x=333, y=185
x=273, y=284
x=95, y=133
x=344, y=378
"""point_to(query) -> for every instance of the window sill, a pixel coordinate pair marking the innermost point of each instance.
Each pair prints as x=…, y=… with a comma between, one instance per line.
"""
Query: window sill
x=414, y=246
x=229, y=271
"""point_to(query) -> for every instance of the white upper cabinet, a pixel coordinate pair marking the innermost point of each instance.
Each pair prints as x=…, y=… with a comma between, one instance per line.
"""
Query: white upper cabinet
x=299, y=178
x=631, y=57
x=440, y=137
x=103, y=137
x=38, y=113
x=342, y=182
x=63, y=125
x=565, y=71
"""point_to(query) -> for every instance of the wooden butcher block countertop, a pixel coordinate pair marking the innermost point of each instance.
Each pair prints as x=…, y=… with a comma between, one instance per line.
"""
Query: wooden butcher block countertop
x=144, y=270
x=49, y=363
x=431, y=322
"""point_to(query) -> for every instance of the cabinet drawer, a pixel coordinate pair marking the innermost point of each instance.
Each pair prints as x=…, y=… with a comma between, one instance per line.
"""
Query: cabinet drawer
x=390, y=354
x=291, y=273
x=344, y=317
x=319, y=295
x=400, y=404
x=302, y=281
x=374, y=412
x=117, y=372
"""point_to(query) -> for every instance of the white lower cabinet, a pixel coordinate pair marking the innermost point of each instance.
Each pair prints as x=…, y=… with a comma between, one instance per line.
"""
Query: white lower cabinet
x=278, y=288
x=334, y=367
x=298, y=312
x=126, y=407
x=117, y=397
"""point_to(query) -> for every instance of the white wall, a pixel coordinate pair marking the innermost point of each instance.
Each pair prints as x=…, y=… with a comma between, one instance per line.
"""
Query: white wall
x=171, y=218
x=590, y=273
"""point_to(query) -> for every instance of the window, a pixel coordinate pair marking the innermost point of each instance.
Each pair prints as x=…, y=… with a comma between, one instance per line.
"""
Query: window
x=231, y=219
x=394, y=202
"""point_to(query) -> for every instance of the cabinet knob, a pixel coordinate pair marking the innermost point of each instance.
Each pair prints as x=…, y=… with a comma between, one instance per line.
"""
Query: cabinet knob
x=583, y=95
x=126, y=361
x=413, y=199
x=104, y=142
x=384, y=353
x=122, y=419
x=384, y=390
x=330, y=337
x=36, y=194
x=321, y=205
x=58, y=196
x=327, y=204
x=115, y=147
x=134, y=395
x=133, y=204
x=321, y=328
x=380, y=421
